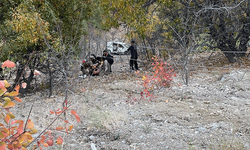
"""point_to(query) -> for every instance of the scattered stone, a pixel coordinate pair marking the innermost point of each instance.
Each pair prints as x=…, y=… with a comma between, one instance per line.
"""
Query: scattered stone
x=92, y=137
x=207, y=102
x=93, y=146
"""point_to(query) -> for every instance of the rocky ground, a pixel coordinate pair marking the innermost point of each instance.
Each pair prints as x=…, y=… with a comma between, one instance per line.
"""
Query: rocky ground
x=211, y=113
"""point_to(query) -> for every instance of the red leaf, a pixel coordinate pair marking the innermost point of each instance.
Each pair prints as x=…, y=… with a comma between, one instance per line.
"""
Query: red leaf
x=77, y=117
x=52, y=112
x=15, y=121
x=66, y=121
x=42, y=139
x=59, y=141
x=58, y=112
x=73, y=112
x=2, y=84
x=59, y=128
x=50, y=142
x=39, y=145
x=67, y=130
x=8, y=64
x=2, y=146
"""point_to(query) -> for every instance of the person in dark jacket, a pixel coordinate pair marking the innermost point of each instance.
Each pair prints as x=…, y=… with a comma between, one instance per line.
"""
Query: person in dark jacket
x=134, y=56
x=109, y=58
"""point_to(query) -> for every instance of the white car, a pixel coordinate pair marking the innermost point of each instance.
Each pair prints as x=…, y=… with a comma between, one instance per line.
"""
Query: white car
x=117, y=48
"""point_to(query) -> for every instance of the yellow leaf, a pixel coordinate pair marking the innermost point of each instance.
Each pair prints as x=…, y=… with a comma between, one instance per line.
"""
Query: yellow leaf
x=8, y=104
x=2, y=91
x=7, y=99
x=6, y=84
x=33, y=131
x=144, y=78
x=13, y=93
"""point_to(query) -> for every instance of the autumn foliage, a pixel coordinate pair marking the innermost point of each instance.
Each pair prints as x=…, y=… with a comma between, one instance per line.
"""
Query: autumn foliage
x=17, y=134
x=161, y=76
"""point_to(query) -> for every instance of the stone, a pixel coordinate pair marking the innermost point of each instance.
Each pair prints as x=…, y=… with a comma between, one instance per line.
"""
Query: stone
x=92, y=137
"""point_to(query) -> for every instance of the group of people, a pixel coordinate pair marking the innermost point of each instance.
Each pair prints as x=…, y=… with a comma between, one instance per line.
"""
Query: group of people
x=102, y=65
x=97, y=65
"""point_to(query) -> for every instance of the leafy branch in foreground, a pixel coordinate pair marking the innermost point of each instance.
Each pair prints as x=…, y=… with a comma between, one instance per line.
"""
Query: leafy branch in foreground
x=17, y=134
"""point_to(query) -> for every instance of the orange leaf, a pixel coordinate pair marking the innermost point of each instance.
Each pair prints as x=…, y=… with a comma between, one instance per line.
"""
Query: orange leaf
x=8, y=64
x=7, y=118
x=45, y=145
x=77, y=117
x=23, y=148
x=2, y=84
x=59, y=128
x=8, y=104
x=24, y=85
x=66, y=121
x=70, y=127
x=59, y=141
x=17, y=88
x=13, y=122
x=18, y=99
x=73, y=112
x=30, y=124
x=52, y=112
x=42, y=139
x=20, y=128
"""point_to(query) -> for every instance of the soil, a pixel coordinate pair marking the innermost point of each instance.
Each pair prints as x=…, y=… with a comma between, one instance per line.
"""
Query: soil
x=212, y=112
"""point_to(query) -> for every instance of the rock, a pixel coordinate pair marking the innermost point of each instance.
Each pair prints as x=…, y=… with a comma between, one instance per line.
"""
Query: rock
x=102, y=143
x=91, y=137
x=206, y=102
x=234, y=98
x=93, y=146
x=201, y=129
x=237, y=112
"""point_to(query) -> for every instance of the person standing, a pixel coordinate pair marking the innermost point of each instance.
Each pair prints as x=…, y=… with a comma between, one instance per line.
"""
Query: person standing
x=108, y=58
x=134, y=56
